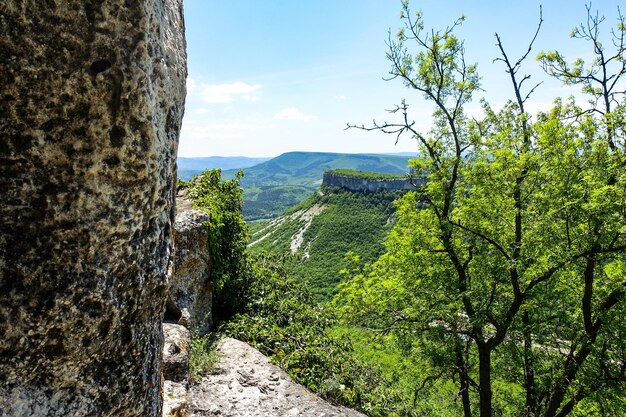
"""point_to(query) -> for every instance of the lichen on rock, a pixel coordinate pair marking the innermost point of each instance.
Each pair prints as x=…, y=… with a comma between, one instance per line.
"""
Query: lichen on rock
x=91, y=102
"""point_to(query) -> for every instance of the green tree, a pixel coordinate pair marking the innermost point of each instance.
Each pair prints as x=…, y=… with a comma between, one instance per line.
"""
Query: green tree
x=228, y=237
x=282, y=320
x=507, y=269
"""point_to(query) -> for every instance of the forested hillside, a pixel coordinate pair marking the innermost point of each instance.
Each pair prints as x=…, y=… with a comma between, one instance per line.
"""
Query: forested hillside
x=318, y=233
x=274, y=186
x=257, y=299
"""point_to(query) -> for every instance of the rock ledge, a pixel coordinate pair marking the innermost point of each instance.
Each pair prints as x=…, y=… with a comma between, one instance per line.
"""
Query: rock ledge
x=245, y=383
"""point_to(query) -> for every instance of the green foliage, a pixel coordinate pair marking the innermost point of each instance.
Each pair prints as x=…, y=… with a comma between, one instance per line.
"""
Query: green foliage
x=283, y=321
x=505, y=273
x=438, y=70
x=202, y=357
x=346, y=221
x=366, y=175
x=403, y=370
x=228, y=234
x=608, y=59
x=266, y=202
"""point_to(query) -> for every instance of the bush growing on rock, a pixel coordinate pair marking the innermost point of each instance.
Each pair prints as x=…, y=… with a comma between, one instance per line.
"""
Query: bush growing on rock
x=228, y=237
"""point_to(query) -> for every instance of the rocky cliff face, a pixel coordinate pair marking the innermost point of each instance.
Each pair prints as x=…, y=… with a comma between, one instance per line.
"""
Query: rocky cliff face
x=354, y=183
x=190, y=295
x=91, y=101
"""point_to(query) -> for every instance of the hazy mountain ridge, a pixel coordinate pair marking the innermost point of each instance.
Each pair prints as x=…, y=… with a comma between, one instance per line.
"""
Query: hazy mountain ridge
x=274, y=186
x=190, y=167
x=307, y=168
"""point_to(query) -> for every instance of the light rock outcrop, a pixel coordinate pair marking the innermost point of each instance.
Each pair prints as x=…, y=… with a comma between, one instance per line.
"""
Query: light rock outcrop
x=355, y=183
x=190, y=289
x=91, y=102
x=176, y=352
x=246, y=384
x=175, y=399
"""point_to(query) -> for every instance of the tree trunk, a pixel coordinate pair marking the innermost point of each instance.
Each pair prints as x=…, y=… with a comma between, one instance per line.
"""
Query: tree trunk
x=463, y=379
x=529, y=370
x=484, y=379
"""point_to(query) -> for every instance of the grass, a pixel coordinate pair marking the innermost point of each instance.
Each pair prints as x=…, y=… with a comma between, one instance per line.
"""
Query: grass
x=202, y=356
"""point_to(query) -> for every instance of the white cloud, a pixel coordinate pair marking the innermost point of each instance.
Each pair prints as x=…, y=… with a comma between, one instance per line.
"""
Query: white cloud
x=250, y=98
x=292, y=113
x=341, y=97
x=226, y=93
x=191, y=84
x=203, y=111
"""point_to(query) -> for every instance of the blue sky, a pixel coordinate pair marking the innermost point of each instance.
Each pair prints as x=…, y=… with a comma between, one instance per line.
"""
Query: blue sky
x=272, y=76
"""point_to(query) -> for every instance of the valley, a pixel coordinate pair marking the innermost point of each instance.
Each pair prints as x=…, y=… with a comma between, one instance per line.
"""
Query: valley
x=275, y=185
x=315, y=208
x=316, y=235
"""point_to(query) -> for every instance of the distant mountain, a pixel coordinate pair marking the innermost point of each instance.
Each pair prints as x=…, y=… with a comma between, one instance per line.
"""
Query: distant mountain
x=323, y=228
x=273, y=186
x=409, y=154
x=189, y=167
x=307, y=168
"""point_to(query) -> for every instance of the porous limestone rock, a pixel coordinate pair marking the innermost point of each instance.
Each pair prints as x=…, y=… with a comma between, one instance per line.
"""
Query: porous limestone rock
x=175, y=399
x=176, y=352
x=246, y=384
x=91, y=102
x=190, y=293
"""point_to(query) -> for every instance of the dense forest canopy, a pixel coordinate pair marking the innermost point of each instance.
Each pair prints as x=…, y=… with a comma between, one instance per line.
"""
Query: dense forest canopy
x=507, y=269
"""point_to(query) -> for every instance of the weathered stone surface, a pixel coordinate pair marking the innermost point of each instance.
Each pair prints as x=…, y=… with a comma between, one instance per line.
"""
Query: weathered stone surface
x=176, y=352
x=353, y=183
x=175, y=370
x=246, y=384
x=190, y=293
x=91, y=101
x=175, y=399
